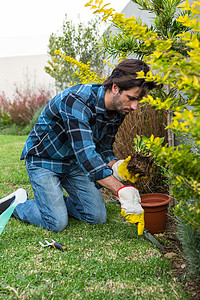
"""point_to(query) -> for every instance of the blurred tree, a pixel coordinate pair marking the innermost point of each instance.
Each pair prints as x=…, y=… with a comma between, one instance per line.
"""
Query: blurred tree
x=79, y=42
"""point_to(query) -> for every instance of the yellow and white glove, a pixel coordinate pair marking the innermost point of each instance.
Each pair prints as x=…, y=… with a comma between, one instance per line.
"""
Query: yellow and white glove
x=135, y=219
x=131, y=208
x=130, y=200
x=121, y=172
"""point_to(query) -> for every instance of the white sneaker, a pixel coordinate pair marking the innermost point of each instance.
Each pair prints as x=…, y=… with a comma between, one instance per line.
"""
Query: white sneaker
x=8, y=200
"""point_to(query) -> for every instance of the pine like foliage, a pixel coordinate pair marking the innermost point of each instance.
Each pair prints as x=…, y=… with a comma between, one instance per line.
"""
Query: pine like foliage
x=190, y=239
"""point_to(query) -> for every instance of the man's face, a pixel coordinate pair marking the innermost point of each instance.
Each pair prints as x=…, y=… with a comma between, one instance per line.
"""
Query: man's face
x=126, y=101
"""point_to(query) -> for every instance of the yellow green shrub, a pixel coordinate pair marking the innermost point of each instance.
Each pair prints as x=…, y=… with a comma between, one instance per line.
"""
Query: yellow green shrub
x=179, y=68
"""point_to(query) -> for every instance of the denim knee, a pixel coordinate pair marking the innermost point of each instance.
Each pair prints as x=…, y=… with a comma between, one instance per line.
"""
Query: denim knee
x=98, y=217
x=56, y=225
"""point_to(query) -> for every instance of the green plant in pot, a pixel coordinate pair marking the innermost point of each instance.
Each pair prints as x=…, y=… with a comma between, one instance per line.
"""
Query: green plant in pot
x=141, y=161
x=155, y=205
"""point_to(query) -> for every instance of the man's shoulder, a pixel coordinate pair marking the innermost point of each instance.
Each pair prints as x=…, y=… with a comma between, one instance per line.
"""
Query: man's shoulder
x=85, y=91
x=88, y=97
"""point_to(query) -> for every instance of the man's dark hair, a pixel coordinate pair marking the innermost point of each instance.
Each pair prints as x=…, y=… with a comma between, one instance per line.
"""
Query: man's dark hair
x=125, y=76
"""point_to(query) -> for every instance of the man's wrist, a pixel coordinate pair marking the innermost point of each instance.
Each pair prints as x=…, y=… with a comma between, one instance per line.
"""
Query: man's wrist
x=112, y=162
x=111, y=183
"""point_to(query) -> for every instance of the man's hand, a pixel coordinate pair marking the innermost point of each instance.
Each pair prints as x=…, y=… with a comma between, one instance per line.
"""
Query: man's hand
x=135, y=219
x=130, y=200
x=131, y=208
x=121, y=172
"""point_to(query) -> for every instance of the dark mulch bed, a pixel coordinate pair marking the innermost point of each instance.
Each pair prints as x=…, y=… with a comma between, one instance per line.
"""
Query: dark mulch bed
x=172, y=250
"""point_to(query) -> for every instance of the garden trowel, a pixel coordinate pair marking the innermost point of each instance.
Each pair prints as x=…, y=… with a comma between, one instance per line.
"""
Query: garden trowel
x=152, y=239
x=20, y=196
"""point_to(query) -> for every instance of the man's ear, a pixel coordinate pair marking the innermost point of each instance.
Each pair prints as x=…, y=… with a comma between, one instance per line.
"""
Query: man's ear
x=115, y=89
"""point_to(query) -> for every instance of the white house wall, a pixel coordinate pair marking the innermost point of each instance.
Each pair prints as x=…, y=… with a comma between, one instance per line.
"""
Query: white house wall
x=24, y=71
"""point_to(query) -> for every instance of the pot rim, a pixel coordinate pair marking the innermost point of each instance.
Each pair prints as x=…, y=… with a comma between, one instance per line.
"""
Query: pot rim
x=154, y=204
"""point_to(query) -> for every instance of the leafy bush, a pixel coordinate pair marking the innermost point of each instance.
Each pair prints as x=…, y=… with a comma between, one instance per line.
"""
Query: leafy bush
x=190, y=239
x=13, y=129
x=175, y=60
x=27, y=129
x=22, y=107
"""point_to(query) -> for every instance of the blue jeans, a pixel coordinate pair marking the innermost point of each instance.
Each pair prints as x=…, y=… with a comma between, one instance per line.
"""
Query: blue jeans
x=51, y=208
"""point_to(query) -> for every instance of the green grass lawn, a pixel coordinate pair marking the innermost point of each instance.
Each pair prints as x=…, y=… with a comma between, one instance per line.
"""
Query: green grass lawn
x=106, y=261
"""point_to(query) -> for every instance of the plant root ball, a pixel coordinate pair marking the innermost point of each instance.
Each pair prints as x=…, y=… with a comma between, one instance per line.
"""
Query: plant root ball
x=139, y=164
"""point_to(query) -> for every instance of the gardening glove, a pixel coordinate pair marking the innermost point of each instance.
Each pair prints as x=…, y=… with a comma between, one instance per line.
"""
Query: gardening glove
x=135, y=219
x=121, y=172
x=130, y=200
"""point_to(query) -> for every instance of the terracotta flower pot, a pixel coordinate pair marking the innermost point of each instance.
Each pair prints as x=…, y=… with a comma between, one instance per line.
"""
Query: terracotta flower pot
x=155, y=207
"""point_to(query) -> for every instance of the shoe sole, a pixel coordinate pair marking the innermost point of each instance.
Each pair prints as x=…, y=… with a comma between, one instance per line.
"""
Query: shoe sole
x=6, y=204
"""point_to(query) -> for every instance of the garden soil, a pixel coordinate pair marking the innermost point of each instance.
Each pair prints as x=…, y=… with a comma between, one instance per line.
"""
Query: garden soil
x=139, y=164
x=173, y=251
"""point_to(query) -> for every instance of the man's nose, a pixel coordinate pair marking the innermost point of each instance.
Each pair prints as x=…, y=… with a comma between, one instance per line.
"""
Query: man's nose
x=134, y=104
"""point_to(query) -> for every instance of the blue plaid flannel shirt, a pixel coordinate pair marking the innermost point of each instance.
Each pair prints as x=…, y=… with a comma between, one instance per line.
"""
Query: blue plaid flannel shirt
x=74, y=128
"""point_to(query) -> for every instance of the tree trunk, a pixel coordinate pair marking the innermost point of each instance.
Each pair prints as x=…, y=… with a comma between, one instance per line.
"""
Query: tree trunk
x=170, y=136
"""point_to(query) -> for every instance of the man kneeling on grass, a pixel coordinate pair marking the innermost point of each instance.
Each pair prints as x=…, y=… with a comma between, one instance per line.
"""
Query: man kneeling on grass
x=70, y=147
